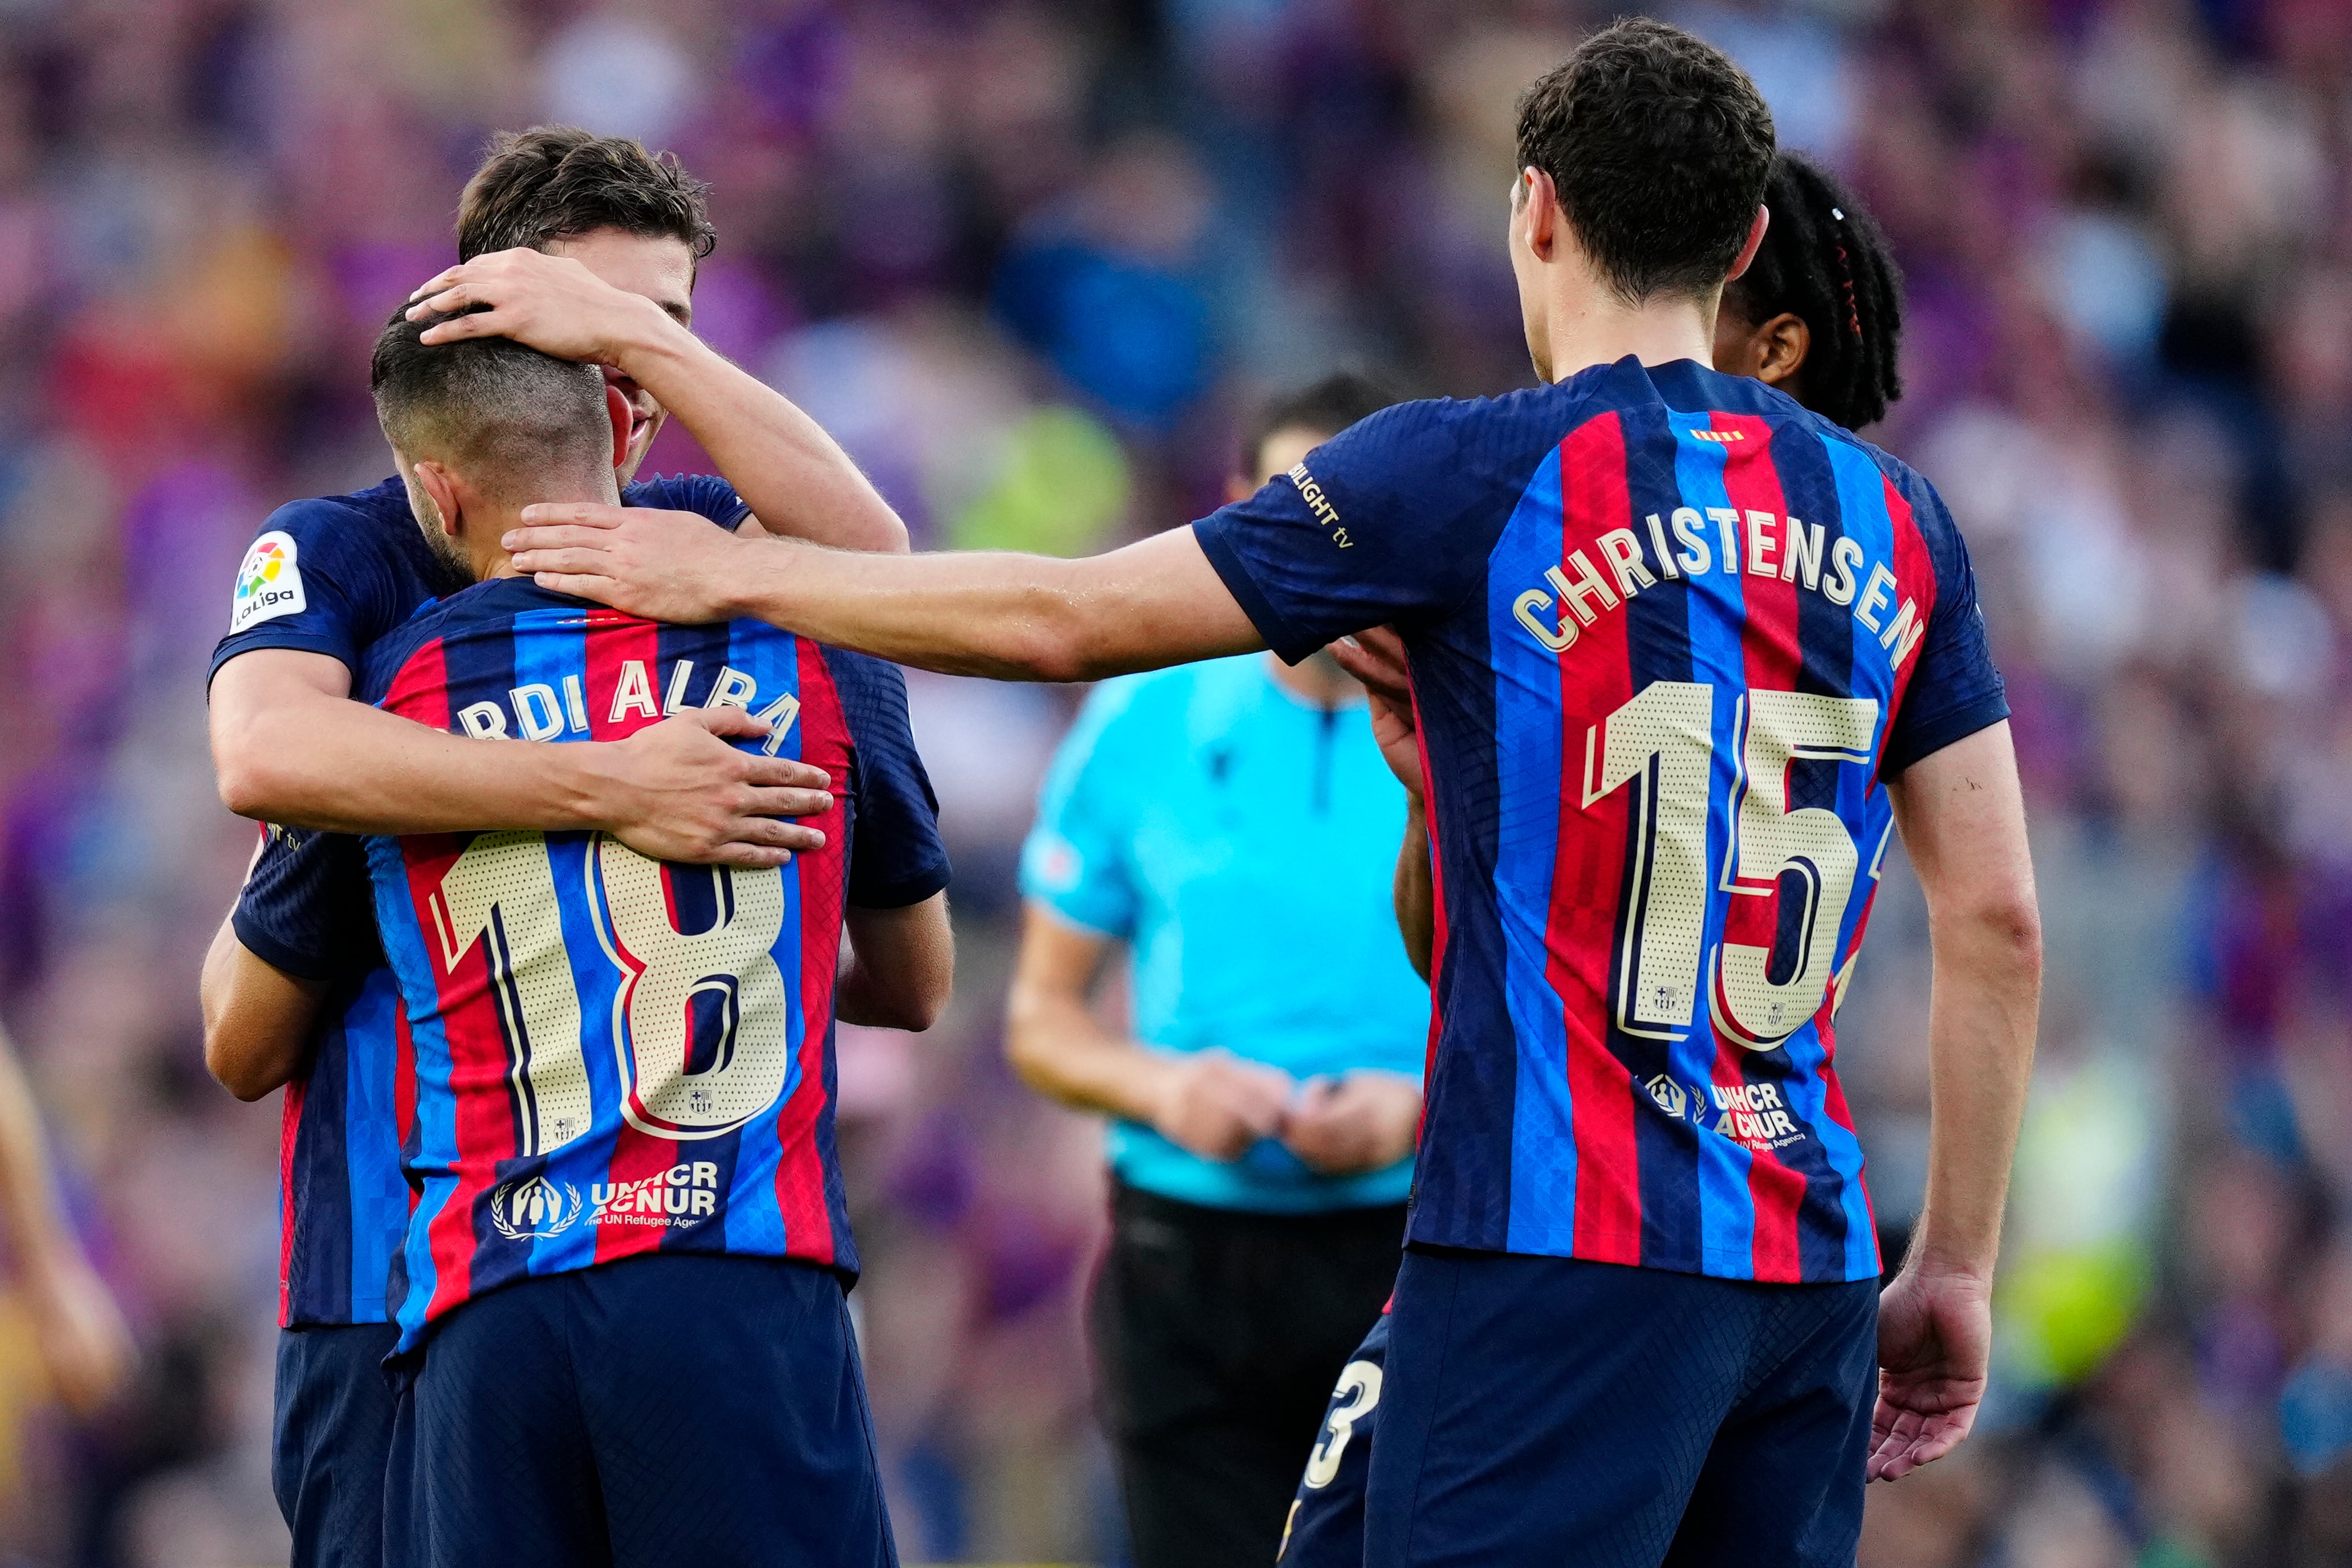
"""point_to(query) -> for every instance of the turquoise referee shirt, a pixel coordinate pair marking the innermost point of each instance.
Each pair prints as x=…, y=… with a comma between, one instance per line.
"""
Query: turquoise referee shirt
x=1242, y=841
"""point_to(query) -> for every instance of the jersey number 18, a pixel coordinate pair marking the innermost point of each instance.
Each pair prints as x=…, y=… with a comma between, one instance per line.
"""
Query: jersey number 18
x=673, y=988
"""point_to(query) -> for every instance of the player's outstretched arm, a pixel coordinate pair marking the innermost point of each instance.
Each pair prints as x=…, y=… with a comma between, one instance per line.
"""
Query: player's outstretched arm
x=1963, y=823
x=798, y=480
x=1209, y=1102
x=290, y=746
x=257, y=1018
x=1013, y=617
x=901, y=967
x=84, y=1343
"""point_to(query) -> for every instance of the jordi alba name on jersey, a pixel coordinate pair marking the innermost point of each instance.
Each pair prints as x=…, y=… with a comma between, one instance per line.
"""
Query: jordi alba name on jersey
x=1670, y=634
x=612, y=1055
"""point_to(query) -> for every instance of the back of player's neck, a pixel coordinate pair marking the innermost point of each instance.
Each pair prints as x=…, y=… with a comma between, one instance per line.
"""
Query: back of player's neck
x=1588, y=331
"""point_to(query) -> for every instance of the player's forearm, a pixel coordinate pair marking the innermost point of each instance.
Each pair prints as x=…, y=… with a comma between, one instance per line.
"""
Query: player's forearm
x=1981, y=1032
x=1005, y=616
x=1058, y=1049
x=901, y=968
x=798, y=480
x=335, y=764
x=1414, y=892
x=1008, y=617
x=257, y=1020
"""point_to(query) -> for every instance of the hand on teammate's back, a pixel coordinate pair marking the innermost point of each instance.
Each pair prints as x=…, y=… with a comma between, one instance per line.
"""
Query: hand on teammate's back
x=1216, y=1105
x=1376, y=658
x=1935, y=1348
x=1360, y=1122
x=664, y=566
x=551, y=303
x=684, y=794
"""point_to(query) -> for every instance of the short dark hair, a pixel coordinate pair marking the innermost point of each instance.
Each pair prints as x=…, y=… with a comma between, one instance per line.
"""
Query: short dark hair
x=1327, y=407
x=1659, y=147
x=503, y=416
x=1826, y=261
x=556, y=181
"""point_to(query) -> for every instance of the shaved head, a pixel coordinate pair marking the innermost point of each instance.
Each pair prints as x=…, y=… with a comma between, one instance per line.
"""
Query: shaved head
x=516, y=425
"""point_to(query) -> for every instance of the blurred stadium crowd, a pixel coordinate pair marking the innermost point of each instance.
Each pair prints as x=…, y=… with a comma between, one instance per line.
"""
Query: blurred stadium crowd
x=1033, y=263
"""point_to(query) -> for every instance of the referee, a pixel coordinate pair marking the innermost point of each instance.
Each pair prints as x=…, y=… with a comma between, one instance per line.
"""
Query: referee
x=1232, y=825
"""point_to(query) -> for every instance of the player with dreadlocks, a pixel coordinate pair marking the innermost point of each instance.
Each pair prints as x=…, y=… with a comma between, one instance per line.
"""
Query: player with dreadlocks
x=1818, y=314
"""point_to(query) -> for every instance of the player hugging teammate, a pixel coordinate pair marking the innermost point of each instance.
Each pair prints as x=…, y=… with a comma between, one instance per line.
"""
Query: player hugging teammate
x=1635, y=1321
x=468, y=1056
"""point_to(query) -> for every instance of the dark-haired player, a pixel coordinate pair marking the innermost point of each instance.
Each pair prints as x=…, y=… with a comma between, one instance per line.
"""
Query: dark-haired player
x=1817, y=314
x=294, y=991
x=1683, y=654
x=621, y=1296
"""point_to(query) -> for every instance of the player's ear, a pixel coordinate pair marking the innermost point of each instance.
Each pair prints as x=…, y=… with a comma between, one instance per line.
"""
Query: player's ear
x=1536, y=203
x=1755, y=238
x=435, y=481
x=1785, y=340
x=617, y=413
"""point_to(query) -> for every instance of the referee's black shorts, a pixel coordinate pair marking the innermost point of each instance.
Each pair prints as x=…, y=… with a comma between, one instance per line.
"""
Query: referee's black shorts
x=1217, y=1337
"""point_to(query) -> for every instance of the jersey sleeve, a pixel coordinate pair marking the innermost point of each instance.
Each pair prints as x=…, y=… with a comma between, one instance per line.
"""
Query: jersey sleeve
x=1955, y=691
x=1075, y=861
x=895, y=855
x=1389, y=520
x=307, y=909
x=706, y=493
x=319, y=579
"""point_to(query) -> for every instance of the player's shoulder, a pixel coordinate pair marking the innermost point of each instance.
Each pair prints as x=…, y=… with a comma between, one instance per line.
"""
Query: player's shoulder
x=1915, y=491
x=333, y=520
x=489, y=607
x=708, y=494
x=1467, y=438
x=858, y=677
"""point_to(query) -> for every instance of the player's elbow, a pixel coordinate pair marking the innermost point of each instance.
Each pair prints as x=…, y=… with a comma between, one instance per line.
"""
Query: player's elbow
x=248, y=771
x=2004, y=931
x=1050, y=646
x=912, y=1007
x=917, y=1010
x=245, y=788
x=235, y=1069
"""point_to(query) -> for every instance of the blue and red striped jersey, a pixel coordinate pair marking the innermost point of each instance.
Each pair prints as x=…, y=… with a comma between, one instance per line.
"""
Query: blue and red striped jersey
x=332, y=575
x=612, y=1055
x=1670, y=635
x=342, y=1203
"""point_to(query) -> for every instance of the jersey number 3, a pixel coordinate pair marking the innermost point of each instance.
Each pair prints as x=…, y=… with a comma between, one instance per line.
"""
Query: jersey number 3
x=719, y=989
x=1665, y=740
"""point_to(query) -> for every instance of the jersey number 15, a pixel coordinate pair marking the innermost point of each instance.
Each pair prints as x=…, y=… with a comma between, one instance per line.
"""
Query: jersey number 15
x=1665, y=738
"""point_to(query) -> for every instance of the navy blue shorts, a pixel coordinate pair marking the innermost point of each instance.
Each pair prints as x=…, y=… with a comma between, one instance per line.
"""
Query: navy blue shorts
x=1545, y=1411
x=674, y=1409
x=1326, y=1517
x=331, y=1435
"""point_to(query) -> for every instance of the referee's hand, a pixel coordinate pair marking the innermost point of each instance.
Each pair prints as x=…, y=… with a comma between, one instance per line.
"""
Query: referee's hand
x=1364, y=1120
x=1216, y=1105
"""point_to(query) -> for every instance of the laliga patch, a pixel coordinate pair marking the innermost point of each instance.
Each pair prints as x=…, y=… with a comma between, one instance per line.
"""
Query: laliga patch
x=269, y=583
